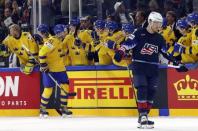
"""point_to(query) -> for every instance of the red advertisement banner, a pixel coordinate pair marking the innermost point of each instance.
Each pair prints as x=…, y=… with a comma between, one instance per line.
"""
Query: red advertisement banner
x=19, y=91
x=182, y=89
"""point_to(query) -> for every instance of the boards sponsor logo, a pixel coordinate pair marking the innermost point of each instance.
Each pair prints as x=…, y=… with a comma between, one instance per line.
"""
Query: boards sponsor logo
x=182, y=89
x=19, y=91
x=102, y=92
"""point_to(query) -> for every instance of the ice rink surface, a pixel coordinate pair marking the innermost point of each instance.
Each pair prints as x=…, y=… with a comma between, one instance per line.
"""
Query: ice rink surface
x=95, y=124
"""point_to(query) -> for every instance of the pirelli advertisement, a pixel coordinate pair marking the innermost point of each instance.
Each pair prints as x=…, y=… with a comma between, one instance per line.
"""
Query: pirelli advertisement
x=102, y=89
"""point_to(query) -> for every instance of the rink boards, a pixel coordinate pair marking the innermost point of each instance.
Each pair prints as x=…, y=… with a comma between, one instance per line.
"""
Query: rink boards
x=101, y=91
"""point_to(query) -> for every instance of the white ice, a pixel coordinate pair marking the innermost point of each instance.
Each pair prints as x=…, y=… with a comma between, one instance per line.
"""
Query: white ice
x=95, y=124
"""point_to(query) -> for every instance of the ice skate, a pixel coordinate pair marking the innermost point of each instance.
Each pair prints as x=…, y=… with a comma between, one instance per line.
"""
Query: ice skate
x=144, y=123
x=65, y=112
x=43, y=113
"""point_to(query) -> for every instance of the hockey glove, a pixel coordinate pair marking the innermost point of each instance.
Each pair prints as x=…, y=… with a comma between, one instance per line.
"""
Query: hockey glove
x=83, y=45
x=179, y=48
x=44, y=67
x=96, y=57
x=90, y=56
x=119, y=55
x=4, y=51
x=77, y=42
x=26, y=69
x=38, y=39
x=111, y=44
x=182, y=69
x=95, y=36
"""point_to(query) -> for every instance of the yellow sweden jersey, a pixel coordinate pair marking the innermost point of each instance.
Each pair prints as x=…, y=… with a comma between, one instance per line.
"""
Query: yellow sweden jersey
x=187, y=42
x=117, y=37
x=52, y=54
x=104, y=54
x=194, y=36
x=168, y=35
x=184, y=40
x=103, y=36
x=193, y=49
x=66, y=45
x=85, y=36
x=44, y=40
x=76, y=54
x=18, y=46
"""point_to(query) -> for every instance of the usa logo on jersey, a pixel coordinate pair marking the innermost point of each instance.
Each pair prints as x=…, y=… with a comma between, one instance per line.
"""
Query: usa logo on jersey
x=149, y=49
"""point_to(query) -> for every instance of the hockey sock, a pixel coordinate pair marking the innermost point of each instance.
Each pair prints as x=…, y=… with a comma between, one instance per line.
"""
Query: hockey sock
x=46, y=96
x=150, y=97
x=142, y=99
x=63, y=96
x=149, y=106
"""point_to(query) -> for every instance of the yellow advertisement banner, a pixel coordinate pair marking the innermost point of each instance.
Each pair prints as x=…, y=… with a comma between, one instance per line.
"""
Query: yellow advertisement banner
x=101, y=89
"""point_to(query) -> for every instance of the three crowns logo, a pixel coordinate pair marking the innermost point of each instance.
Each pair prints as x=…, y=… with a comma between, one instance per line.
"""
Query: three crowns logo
x=187, y=89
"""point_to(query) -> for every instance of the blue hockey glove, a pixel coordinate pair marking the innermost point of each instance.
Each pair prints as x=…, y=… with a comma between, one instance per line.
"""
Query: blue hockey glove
x=111, y=44
x=119, y=55
x=90, y=56
x=38, y=39
x=77, y=42
x=179, y=48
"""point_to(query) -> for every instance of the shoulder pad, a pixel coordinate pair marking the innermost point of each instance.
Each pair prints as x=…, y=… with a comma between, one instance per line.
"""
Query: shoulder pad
x=49, y=44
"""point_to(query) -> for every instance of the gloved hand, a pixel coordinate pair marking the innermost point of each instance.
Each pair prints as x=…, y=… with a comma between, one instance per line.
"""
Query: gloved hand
x=179, y=48
x=77, y=42
x=4, y=51
x=111, y=44
x=118, y=55
x=95, y=36
x=38, y=39
x=44, y=67
x=182, y=69
x=176, y=62
x=90, y=56
x=83, y=45
x=96, y=43
x=26, y=69
x=96, y=57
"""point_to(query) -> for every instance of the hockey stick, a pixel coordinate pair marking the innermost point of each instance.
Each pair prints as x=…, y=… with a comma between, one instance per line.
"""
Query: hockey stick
x=70, y=94
x=155, y=63
x=132, y=85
